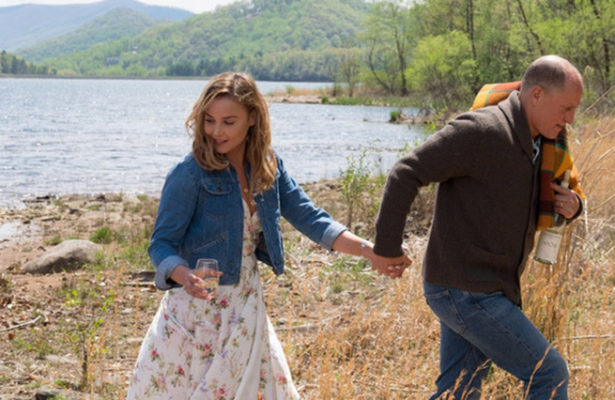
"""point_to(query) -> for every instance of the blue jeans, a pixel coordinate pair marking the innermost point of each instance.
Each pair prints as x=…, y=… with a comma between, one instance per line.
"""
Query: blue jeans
x=478, y=328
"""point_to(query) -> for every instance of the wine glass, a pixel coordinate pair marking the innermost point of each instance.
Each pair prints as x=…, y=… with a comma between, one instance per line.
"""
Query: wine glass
x=207, y=270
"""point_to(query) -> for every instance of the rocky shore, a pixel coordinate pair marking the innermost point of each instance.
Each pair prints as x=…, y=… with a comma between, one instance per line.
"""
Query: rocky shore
x=26, y=233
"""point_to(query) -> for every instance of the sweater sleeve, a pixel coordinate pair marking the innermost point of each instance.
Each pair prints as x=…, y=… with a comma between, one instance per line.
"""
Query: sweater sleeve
x=443, y=156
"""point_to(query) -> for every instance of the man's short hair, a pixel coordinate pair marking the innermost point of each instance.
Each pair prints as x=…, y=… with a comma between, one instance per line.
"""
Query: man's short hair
x=549, y=72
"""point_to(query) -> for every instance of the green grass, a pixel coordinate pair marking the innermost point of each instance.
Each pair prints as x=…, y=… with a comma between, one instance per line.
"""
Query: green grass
x=103, y=235
x=371, y=101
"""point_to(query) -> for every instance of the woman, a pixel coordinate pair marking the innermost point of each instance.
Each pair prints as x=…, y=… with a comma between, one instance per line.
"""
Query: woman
x=224, y=201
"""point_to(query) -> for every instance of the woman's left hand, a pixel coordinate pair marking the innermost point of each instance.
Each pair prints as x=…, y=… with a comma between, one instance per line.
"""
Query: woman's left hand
x=192, y=283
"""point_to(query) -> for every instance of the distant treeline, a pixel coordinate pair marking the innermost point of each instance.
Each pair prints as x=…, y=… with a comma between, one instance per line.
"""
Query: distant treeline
x=11, y=64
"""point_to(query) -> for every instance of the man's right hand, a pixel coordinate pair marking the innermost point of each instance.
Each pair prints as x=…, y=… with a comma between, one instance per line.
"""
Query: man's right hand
x=392, y=267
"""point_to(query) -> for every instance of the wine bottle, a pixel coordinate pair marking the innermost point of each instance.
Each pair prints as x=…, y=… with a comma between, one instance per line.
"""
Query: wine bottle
x=550, y=238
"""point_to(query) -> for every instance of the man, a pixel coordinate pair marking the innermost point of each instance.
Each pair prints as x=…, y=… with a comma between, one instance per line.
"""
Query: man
x=487, y=164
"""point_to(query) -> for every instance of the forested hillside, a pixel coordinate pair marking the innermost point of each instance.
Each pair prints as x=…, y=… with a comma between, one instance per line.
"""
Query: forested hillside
x=438, y=52
x=116, y=24
x=273, y=39
x=27, y=24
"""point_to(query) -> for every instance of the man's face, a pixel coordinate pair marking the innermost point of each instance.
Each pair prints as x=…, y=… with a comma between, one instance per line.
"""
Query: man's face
x=552, y=109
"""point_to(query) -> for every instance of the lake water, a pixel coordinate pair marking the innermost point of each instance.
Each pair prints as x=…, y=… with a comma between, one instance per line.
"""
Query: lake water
x=60, y=136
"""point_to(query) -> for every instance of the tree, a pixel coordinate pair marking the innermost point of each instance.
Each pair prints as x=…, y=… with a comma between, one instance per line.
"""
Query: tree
x=4, y=62
x=499, y=38
x=389, y=39
x=531, y=31
x=605, y=30
x=443, y=69
x=346, y=67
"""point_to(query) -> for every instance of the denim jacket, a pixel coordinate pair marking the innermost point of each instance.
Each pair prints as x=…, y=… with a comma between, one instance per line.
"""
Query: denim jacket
x=201, y=216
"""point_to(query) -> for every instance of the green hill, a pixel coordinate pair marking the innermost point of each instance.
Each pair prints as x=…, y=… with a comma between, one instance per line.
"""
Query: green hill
x=27, y=24
x=272, y=39
x=116, y=24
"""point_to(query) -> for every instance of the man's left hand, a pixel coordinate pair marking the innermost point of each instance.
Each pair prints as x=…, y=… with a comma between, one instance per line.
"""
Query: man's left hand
x=566, y=201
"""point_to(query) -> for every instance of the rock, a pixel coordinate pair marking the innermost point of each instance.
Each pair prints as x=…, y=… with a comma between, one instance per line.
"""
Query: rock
x=419, y=119
x=67, y=256
x=400, y=118
x=66, y=359
x=45, y=394
x=144, y=276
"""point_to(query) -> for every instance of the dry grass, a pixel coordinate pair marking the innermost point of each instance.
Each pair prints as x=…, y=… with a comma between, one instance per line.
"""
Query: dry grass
x=383, y=344
x=348, y=333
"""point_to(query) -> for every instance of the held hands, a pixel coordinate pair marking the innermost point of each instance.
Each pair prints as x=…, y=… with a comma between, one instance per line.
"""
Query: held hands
x=566, y=201
x=392, y=267
x=349, y=243
x=193, y=284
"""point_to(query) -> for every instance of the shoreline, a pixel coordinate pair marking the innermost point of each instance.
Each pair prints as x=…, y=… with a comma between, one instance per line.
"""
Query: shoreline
x=44, y=221
x=144, y=78
x=298, y=95
x=27, y=232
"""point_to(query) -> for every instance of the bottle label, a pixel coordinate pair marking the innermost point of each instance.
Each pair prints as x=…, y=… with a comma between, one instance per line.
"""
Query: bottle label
x=548, y=246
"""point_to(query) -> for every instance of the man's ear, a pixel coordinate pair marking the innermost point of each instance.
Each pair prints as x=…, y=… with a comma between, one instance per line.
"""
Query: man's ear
x=536, y=94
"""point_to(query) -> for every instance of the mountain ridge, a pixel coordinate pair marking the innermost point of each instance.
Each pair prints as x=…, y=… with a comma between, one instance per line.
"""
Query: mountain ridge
x=115, y=24
x=44, y=22
x=273, y=39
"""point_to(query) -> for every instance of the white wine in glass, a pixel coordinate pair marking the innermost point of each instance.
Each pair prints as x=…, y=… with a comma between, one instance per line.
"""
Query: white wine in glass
x=207, y=270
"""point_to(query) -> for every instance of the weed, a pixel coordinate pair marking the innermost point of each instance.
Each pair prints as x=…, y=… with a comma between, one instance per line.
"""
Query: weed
x=102, y=235
x=394, y=115
x=54, y=241
x=61, y=383
x=60, y=203
x=354, y=182
x=73, y=299
x=360, y=193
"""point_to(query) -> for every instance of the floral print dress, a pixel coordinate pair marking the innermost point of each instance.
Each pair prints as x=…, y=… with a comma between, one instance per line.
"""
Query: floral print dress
x=225, y=348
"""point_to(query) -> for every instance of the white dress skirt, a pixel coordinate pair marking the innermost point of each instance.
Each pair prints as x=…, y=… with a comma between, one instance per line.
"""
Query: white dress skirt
x=225, y=348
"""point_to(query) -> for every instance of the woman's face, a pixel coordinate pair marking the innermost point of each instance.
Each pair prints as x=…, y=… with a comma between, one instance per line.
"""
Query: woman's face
x=227, y=122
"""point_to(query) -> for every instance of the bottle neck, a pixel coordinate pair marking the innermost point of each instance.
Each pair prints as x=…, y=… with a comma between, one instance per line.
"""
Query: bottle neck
x=559, y=220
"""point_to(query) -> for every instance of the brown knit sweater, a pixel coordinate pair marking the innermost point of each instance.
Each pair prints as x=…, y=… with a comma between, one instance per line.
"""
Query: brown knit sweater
x=485, y=214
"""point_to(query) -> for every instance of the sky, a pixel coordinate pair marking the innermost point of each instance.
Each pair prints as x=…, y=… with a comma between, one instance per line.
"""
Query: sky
x=196, y=6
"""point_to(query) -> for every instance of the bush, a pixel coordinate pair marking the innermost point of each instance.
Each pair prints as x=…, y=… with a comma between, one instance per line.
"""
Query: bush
x=394, y=115
x=443, y=69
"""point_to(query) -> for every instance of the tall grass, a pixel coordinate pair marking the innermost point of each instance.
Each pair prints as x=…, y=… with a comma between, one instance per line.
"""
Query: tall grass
x=381, y=342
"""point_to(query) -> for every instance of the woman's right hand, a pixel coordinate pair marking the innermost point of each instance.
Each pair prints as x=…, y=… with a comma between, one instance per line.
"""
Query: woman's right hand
x=193, y=285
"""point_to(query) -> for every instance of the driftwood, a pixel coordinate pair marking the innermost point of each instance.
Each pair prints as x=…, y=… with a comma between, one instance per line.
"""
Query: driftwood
x=32, y=322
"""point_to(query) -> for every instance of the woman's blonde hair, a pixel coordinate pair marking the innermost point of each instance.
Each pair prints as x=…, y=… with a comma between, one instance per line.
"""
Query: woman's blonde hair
x=259, y=153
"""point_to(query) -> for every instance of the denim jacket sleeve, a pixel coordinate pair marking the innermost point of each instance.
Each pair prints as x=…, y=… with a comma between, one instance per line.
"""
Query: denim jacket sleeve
x=180, y=187
x=300, y=211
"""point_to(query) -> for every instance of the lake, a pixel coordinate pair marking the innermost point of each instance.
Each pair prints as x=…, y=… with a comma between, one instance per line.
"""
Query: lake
x=89, y=136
